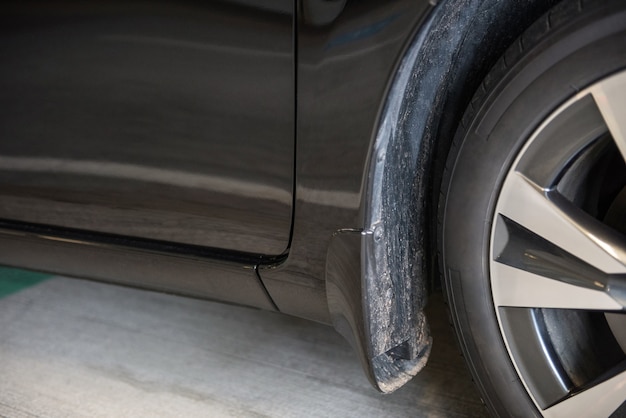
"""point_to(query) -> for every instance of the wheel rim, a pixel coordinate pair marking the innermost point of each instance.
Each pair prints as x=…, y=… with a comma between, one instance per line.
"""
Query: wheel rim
x=558, y=256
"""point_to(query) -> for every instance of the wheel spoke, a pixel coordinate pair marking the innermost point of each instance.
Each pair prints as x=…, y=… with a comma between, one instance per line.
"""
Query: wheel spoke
x=598, y=401
x=610, y=96
x=569, y=132
x=518, y=288
x=552, y=217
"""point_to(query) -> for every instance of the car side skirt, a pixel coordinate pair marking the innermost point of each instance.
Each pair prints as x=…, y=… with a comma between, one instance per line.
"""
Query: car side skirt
x=149, y=265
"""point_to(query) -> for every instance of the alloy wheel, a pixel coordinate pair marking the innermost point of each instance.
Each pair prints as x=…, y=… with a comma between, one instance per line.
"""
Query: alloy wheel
x=558, y=256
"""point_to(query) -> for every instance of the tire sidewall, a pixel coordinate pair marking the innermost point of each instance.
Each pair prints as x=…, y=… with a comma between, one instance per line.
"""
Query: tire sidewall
x=567, y=60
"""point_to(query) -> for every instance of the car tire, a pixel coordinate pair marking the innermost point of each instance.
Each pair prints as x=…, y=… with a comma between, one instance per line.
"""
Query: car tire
x=531, y=243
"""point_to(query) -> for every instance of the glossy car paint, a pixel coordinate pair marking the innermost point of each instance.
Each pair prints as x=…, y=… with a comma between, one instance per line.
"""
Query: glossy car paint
x=170, y=121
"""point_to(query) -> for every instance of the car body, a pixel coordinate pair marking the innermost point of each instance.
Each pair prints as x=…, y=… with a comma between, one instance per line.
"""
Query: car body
x=283, y=154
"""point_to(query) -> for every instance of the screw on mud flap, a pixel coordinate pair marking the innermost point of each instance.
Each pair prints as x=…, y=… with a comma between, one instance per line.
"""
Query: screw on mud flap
x=378, y=233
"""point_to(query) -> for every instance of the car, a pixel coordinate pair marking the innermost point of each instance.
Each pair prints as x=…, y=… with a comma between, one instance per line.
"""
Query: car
x=339, y=160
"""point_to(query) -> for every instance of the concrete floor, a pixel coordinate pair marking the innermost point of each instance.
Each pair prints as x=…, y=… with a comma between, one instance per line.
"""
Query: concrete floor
x=72, y=348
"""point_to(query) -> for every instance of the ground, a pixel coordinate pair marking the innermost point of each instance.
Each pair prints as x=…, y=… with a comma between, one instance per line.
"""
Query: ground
x=76, y=348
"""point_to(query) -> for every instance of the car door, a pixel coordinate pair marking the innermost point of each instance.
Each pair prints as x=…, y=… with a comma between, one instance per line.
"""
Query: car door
x=164, y=121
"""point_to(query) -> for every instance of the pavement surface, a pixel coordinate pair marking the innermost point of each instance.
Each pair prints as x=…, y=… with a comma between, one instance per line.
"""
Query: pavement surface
x=74, y=348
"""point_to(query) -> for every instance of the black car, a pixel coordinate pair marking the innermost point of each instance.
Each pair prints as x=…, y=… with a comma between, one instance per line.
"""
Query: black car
x=338, y=160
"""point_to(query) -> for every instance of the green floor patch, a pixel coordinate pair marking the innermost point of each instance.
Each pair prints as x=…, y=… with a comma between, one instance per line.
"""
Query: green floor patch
x=13, y=280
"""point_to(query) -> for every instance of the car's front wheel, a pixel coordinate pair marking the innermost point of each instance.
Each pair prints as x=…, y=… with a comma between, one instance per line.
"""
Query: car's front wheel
x=532, y=216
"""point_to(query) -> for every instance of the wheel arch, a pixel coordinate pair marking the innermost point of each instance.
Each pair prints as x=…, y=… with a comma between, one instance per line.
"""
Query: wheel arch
x=436, y=78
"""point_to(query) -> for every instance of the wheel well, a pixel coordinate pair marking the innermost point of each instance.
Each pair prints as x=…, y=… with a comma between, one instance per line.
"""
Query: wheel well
x=495, y=25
